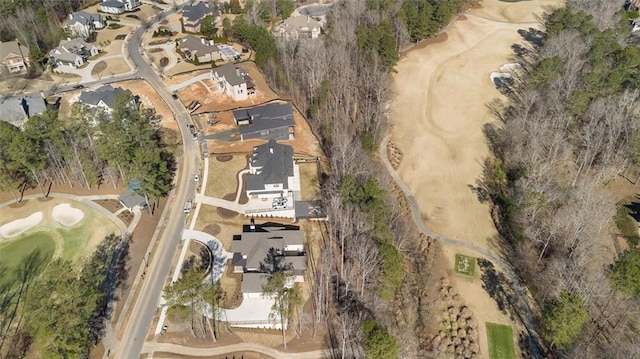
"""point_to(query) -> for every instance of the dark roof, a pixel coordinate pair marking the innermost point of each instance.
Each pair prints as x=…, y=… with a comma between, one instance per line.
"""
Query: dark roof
x=232, y=74
x=106, y=93
x=197, y=12
x=255, y=245
x=197, y=45
x=17, y=109
x=276, y=161
x=132, y=199
x=112, y=3
x=84, y=18
x=265, y=117
x=252, y=282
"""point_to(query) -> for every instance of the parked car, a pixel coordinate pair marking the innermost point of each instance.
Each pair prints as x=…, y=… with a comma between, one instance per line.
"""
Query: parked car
x=77, y=87
x=175, y=96
x=187, y=207
x=195, y=136
x=196, y=178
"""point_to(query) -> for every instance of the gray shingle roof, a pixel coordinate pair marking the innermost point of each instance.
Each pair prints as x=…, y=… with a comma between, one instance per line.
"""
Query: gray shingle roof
x=106, y=94
x=276, y=161
x=266, y=117
x=256, y=245
x=17, y=109
x=84, y=18
x=232, y=74
x=196, y=45
x=132, y=199
x=112, y=3
x=252, y=282
x=197, y=12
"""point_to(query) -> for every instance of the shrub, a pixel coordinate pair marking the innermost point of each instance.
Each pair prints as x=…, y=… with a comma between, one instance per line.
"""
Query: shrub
x=164, y=61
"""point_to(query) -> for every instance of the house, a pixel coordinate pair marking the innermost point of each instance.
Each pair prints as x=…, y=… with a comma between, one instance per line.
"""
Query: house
x=72, y=52
x=635, y=24
x=131, y=200
x=260, y=247
x=193, y=15
x=199, y=49
x=14, y=56
x=82, y=23
x=271, y=171
x=119, y=6
x=17, y=110
x=233, y=82
x=270, y=121
x=104, y=98
x=298, y=27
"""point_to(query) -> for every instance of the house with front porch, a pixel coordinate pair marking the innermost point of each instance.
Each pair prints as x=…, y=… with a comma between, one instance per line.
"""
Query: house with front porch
x=198, y=49
x=72, y=52
x=14, y=57
x=119, y=6
x=193, y=16
x=233, y=82
x=82, y=24
x=298, y=27
x=273, y=121
x=272, y=171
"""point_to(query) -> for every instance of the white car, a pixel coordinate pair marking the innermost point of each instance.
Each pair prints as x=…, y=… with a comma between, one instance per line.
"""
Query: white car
x=196, y=178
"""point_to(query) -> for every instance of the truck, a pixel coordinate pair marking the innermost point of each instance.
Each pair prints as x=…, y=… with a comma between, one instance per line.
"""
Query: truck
x=187, y=207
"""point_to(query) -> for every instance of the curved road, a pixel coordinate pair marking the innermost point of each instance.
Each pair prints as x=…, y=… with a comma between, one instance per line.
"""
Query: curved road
x=516, y=284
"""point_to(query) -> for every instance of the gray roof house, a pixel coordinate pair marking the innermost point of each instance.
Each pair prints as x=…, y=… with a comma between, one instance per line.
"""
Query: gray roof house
x=298, y=27
x=192, y=15
x=271, y=171
x=253, y=248
x=14, y=56
x=72, y=52
x=233, y=81
x=82, y=23
x=270, y=121
x=17, y=110
x=119, y=6
x=130, y=200
x=104, y=97
x=199, y=48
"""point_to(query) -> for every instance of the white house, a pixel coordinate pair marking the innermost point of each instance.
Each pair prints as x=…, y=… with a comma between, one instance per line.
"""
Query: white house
x=271, y=171
x=82, y=23
x=104, y=97
x=72, y=52
x=14, y=56
x=298, y=27
x=233, y=82
x=119, y=6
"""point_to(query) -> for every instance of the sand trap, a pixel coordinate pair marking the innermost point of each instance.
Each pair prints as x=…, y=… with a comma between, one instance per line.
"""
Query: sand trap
x=512, y=67
x=18, y=226
x=66, y=215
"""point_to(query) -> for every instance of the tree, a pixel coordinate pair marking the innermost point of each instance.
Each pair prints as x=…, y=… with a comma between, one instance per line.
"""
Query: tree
x=285, y=8
x=625, y=273
x=564, y=319
x=378, y=342
x=188, y=297
x=286, y=297
x=208, y=27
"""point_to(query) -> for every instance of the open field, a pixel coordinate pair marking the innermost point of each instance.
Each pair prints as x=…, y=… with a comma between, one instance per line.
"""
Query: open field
x=223, y=175
x=465, y=265
x=500, y=341
x=442, y=142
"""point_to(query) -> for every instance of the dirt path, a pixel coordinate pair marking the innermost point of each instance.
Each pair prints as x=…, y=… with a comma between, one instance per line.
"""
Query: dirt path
x=439, y=110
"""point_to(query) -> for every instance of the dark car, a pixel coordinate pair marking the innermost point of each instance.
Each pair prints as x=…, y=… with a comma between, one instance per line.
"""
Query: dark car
x=175, y=97
x=78, y=87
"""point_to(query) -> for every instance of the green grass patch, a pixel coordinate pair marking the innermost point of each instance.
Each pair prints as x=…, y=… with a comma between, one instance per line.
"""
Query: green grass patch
x=500, y=339
x=15, y=250
x=465, y=265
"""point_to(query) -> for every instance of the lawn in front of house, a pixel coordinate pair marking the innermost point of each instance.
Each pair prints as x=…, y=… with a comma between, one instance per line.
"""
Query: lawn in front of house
x=500, y=339
x=223, y=175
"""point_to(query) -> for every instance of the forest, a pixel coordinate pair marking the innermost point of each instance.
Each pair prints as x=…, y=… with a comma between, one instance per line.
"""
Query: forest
x=88, y=149
x=566, y=138
x=371, y=254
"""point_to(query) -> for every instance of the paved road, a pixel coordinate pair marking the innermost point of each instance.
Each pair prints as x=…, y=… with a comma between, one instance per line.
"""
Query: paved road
x=241, y=347
x=516, y=284
x=149, y=298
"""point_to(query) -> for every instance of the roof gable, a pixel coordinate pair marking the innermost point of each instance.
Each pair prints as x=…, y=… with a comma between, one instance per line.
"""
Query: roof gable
x=12, y=48
x=105, y=94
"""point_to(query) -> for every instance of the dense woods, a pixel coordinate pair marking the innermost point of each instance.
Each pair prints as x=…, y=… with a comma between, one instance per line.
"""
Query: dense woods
x=567, y=133
x=86, y=150
x=59, y=306
x=341, y=83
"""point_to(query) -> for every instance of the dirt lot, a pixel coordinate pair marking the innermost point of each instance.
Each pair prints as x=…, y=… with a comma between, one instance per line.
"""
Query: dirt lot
x=434, y=132
x=106, y=40
x=150, y=98
x=116, y=66
x=214, y=101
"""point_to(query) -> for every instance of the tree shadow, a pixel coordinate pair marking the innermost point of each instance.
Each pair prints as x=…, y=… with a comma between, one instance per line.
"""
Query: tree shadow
x=495, y=283
x=533, y=36
x=634, y=208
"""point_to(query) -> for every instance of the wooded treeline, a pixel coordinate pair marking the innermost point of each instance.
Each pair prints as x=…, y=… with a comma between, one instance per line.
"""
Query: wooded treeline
x=569, y=129
x=60, y=307
x=88, y=149
x=366, y=264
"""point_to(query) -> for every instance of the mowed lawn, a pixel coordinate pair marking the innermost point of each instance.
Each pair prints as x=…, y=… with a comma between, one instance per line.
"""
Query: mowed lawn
x=500, y=339
x=12, y=252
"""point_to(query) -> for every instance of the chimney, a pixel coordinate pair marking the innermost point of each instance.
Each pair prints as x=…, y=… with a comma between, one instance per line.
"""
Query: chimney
x=202, y=40
x=70, y=16
x=253, y=225
x=238, y=72
x=271, y=150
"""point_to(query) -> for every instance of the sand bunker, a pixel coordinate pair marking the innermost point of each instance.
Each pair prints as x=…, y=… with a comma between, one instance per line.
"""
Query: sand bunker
x=18, y=226
x=66, y=215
